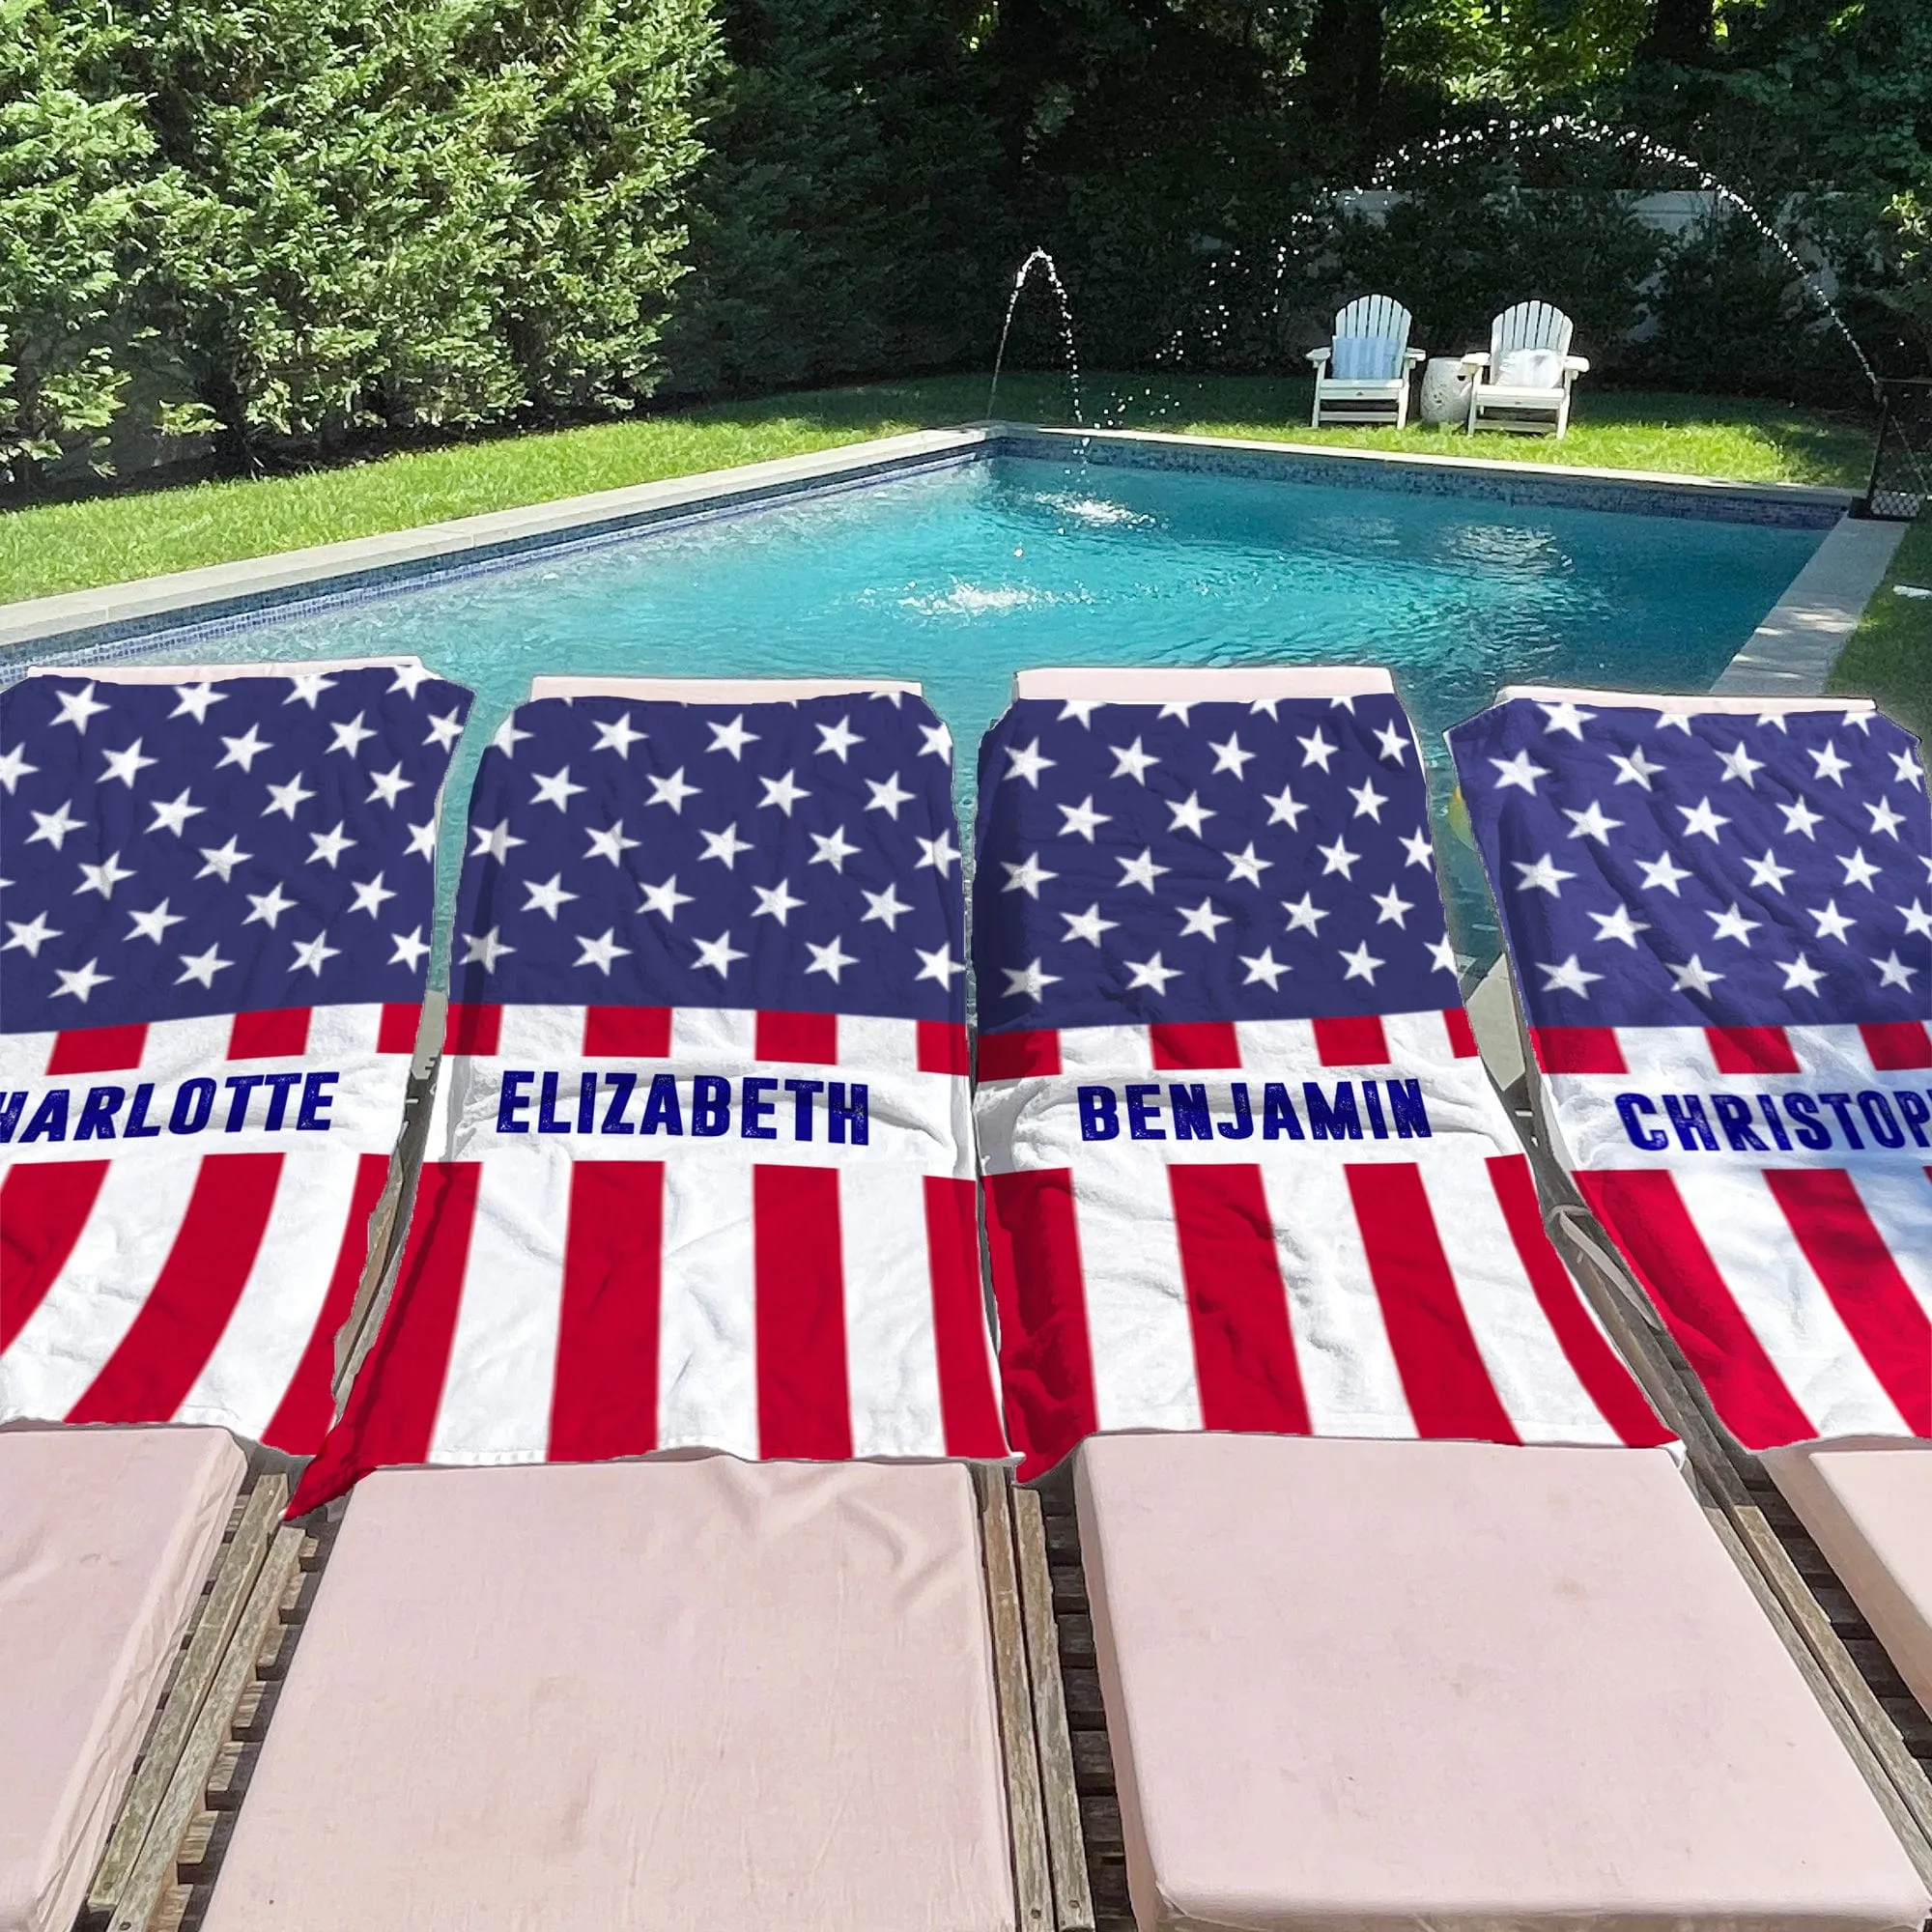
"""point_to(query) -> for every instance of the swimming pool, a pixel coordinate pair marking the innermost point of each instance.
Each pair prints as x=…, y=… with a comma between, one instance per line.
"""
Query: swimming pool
x=960, y=575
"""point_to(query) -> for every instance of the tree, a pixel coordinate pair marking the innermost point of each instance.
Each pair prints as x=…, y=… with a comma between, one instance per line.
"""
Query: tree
x=845, y=221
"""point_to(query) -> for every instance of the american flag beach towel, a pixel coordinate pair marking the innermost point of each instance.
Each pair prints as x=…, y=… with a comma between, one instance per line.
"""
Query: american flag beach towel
x=1718, y=915
x=700, y=1170
x=1244, y=1168
x=217, y=889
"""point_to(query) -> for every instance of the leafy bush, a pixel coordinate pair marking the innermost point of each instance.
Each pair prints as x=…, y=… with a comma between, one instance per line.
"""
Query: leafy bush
x=1732, y=317
x=298, y=219
x=845, y=221
x=1457, y=259
x=79, y=195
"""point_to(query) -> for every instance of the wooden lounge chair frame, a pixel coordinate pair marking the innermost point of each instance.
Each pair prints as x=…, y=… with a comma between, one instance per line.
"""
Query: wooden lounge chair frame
x=228, y=1644
x=1834, y=1648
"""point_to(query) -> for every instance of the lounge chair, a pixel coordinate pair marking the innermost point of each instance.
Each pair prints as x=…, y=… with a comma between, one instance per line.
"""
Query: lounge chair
x=157, y=1268
x=1737, y=1101
x=1522, y=381
x=1361, y=376
x=1347, y=1680
x=772, y=1686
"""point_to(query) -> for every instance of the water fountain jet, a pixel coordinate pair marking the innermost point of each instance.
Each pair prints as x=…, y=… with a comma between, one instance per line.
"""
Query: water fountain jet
x=1040, y=259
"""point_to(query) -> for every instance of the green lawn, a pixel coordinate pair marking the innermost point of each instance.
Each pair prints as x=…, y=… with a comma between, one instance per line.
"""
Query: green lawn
x=1889, y=658
x=72, y=546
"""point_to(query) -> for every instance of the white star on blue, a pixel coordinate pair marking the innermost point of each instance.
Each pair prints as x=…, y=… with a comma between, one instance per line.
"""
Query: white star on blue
x=1666, y=867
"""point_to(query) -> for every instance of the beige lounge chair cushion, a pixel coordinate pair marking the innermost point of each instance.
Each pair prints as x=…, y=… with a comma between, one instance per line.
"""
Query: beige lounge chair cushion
x=106, y=1536
x=1363, y=1684
x=700, y=1696
x=1869, y=1506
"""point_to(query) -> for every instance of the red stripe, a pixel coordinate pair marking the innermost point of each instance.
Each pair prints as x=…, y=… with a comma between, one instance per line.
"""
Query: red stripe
x=1849, y=1256
x=805, y=1407
x=1046, y=1353
x=605, y=1398
x=270, y=1036
x=1244, y=1350
x=308, y=1406
x=968, y=1405
x=942, y=1047
x=809, y=1037
x=1046, y=1356
x=43, y=1206
x=472, y=1029
x=626, y=1033
x=149, y=1375
x=391, y=1415
x=1897, y=1046
x=1752, y=1049
x=112, y=1049
x=1182, y=1047
x=1646, y=1217
x=1577, y=1049
x=1599, y=1367
x=1461, y=1035
x=1448, y=1388
x=1356, y=1041
x=396, y=1031
x=1018, y=1056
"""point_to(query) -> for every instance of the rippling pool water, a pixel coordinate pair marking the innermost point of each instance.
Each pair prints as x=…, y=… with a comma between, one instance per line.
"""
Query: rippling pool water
x=959, y=577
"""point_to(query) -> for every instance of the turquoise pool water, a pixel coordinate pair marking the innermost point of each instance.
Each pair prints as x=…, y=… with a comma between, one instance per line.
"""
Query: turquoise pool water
x=959, y=577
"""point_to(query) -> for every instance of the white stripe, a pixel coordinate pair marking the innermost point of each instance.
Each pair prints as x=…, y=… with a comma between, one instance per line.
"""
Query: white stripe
x=867, y=1043
x=1137, y=1313
x=1417, y=1036
x=1900, y=1205
x=543, y=1033
x=89, y=1308
x=502, y=1360
x=1532, y=1377
x=248, y=1372
x=1277, y=1047
x=343, y=1033
x=891, y=1357
x=24, y=1057
x=1783, y=1303
x=1665, y=1053
x=175, y=1049
x=1349, y=1373
x=1097, y=1049
x=707, y=1035
x=707, y=1334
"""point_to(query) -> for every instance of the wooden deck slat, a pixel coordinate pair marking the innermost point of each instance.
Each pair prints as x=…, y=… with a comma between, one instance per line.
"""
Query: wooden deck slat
x=1032, y=1880
x=1100, y=1820
x=153, y=1871
x=1066, y=1853
x=233, y=1576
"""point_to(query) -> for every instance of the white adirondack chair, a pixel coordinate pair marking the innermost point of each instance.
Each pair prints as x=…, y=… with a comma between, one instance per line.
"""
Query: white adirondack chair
x=1524, y=381
x=1362, y=376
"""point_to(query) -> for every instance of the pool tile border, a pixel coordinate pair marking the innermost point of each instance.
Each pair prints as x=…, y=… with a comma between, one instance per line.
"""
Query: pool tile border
x=1546, y=486
x=133, y=620
x=125, y=619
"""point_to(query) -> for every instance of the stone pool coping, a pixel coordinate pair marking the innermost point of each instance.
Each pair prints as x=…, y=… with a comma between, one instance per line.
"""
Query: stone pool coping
x=116, y=621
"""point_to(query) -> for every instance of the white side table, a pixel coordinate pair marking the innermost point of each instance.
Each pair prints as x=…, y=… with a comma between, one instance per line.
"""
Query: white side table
x=1444, y=394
